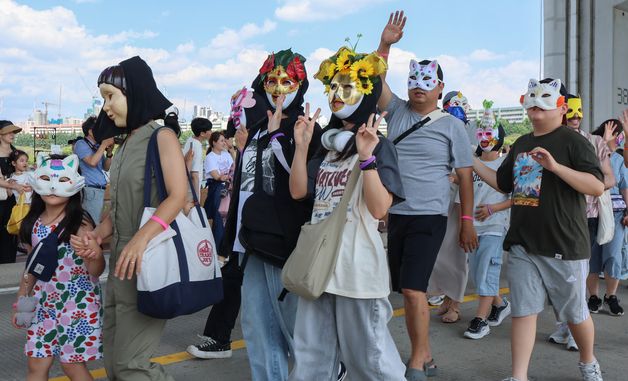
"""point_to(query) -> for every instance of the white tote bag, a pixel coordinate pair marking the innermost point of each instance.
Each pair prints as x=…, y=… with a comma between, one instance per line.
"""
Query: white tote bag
x=606, y=219
x=180, y=270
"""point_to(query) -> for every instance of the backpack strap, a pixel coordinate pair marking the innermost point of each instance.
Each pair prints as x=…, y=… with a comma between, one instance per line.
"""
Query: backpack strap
x=426, y=120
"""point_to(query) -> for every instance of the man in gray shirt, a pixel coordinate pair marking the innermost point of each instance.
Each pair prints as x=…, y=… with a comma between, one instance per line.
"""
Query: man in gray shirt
x=426, y=159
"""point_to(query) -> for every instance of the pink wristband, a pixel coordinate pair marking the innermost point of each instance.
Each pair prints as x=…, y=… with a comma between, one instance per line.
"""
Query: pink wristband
x=383, y=55
x=490, y=211
x=159, y=221
x=469, y=218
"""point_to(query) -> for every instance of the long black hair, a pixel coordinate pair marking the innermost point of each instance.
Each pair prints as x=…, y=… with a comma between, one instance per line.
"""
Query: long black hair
x=74, y=217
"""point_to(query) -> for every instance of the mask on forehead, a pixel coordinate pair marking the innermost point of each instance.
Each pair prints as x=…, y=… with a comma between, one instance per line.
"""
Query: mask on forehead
x=424, y=77
x=58, y=177
x=487, y=132
x=545, y=96
x=460, y=100
x=574, y=108
x=242, y=99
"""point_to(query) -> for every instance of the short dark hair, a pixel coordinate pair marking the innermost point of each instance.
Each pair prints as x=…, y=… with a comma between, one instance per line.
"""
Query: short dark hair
x=200, y=125
x=618, y=129
x=88, y=124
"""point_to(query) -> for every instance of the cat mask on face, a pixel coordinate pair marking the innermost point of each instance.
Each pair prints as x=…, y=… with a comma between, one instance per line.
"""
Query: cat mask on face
x=574, y=108
x=545, y=96
x=58, y=177
x=424, y=77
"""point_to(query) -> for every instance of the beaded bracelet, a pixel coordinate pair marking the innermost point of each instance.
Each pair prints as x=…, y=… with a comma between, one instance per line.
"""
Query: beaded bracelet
x=490, y=211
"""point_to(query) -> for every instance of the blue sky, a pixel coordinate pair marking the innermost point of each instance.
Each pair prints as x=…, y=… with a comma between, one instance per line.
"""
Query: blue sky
x=202, y=51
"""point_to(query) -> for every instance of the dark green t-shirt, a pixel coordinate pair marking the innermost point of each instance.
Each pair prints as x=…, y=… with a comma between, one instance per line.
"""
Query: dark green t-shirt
x=548, y=216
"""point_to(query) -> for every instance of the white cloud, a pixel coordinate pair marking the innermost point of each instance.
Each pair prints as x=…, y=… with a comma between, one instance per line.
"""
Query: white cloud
x=316, y=10
x=485, y=55
x=230, y=41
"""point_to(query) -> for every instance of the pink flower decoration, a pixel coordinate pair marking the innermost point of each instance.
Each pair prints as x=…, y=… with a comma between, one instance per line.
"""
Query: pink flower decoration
x=68, y=261
x=70, y=306
x=63, y=276
x=65, y=320
x=92, y=351
x=93, y=307
x=68, y=348
x=30, y=346
x=48, y=324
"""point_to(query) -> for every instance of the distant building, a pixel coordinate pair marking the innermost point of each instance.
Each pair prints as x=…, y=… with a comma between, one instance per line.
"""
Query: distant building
x=202, y=112
x=511, y=114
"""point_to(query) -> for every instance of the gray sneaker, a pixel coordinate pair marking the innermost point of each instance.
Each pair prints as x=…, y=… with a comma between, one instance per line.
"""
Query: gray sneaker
x=571, y=344
x=590, y=372
x=415, y=375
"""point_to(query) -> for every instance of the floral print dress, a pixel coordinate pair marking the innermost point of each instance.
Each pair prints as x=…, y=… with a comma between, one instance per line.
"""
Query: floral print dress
x=68, y=316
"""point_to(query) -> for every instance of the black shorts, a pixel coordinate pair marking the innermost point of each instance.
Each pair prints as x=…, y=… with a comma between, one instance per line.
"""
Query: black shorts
x=413, y=244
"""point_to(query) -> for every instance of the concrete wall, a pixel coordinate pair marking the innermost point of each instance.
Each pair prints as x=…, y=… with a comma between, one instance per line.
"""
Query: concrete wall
x=586, y=45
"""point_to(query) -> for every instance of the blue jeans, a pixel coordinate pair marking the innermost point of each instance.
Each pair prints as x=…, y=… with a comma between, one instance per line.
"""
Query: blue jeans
x=267, y=323
x=609, y=257
x=93, y=199
x=212, y=203
x=485, y=264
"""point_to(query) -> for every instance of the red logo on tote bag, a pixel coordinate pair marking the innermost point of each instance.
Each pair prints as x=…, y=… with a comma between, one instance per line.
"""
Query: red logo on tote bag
x=204, y=251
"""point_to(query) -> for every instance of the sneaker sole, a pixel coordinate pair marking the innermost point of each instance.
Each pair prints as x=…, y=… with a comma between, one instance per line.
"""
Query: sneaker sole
x=573, y=349
x=475, y=336
x=208, y=355
x=562, y=341
x=611, y=312
x=499, y=322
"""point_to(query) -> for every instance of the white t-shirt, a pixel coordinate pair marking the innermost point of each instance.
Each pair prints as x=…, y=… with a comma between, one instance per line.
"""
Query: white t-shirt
x=362, y=268
x=22, y=179
x=483, y=194
x=197, y=160
x=221, y=163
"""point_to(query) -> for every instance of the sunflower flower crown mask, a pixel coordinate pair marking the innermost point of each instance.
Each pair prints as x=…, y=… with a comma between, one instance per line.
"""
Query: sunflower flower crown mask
x=57, y=177
x=349, y=76
x=487, y=132
x=282, y=74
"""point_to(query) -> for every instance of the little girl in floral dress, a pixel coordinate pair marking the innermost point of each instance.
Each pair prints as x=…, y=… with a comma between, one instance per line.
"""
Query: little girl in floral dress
x=62, y=311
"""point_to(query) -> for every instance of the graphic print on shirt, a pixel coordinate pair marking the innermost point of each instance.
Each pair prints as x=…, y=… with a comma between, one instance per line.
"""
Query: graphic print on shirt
x=331, y=181
x=527, y=184
x=268, y=170
x=248, y=166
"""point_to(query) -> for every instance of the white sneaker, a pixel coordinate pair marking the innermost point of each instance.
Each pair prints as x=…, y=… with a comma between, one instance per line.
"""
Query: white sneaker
x=590, y=372
x=571, y=343
x=498, y=314
x=561, y=335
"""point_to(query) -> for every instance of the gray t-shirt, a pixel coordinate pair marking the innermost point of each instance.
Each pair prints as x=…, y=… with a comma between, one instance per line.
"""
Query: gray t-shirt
x=426, y=158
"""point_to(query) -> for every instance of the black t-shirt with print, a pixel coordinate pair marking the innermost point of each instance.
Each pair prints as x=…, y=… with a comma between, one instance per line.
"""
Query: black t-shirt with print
x=548, y=216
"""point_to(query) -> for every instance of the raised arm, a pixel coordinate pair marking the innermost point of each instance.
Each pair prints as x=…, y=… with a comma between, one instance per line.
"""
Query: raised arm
x=303, y=131
x=392, y=33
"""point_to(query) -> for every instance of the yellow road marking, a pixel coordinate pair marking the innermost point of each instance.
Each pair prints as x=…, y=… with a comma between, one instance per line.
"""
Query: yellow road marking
x=239, y=344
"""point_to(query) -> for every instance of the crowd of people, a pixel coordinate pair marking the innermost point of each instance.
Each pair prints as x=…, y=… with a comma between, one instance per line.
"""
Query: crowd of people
x=455, y=200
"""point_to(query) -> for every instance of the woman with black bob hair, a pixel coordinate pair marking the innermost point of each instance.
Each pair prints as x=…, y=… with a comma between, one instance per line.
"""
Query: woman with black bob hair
x=132, y=104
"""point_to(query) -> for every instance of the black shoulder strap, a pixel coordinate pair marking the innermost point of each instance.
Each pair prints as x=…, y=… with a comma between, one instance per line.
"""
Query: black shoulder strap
x=415, y=127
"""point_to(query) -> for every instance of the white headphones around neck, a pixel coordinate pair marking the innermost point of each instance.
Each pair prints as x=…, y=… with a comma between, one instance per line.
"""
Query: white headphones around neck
x=335, y=139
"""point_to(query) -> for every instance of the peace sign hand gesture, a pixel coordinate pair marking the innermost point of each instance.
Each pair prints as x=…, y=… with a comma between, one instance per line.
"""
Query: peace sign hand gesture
x=393, y=31
x=304, y=127
x=366, y=139
x=274, y=119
